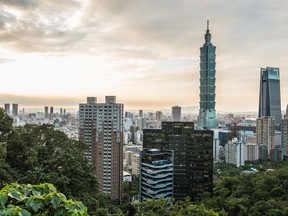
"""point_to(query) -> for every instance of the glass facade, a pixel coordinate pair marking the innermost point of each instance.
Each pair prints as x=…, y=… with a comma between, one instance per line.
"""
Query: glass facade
x=193, y=156
x=269, y=99
x=207, y=115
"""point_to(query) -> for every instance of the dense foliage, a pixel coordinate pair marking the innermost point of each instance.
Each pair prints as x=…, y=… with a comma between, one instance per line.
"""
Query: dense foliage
x=36, y=154
x=165, y=207
x=43, y=199
x=262, y=193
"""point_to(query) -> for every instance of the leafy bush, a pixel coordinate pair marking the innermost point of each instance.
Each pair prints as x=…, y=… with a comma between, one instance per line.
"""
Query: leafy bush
x=26, y=200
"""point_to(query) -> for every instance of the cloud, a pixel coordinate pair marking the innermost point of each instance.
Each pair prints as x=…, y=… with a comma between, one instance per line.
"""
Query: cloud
x=149, y=45
x=22, y=4
x=40, y=27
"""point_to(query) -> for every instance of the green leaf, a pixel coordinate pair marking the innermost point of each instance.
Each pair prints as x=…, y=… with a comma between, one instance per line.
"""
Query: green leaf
x=3, y=199
x=55, y=201
x=35, y=205
x=15, y=194
x=36, y=193
x=60, y=212
x=24, y=212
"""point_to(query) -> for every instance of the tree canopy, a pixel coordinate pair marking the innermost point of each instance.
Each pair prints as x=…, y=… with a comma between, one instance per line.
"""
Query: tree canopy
x=35, y=154
x=262, y=193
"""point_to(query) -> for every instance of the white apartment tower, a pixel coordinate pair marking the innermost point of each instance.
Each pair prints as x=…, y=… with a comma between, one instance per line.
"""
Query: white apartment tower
x=235, y=152
x=252, y=151
x=265, y=132
x=101, y=128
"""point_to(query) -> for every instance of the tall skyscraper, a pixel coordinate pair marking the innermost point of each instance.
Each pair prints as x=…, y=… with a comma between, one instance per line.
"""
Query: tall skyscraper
x=269, y=99
x=15, y=110
x=176, y=113
x=207, y=114
x=141, y=114
x=7, y=108
x=51, y=110
x=101, y=128
x=46, y=110
x=159, y=115
x=193, y=156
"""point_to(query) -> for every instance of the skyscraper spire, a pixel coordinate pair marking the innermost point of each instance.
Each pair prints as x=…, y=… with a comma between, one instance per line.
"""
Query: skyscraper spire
x=207, y=35
x=207, y=114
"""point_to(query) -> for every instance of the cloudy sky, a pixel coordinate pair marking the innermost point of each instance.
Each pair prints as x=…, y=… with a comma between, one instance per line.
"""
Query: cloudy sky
x=146, y=52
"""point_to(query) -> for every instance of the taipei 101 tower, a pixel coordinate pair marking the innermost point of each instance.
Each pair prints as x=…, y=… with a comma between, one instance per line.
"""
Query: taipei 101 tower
x=207, y=114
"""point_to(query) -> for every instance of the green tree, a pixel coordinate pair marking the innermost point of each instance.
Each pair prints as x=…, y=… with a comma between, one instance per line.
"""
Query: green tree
x=43, y=199
x=5, y=125
x=187, y=208
x=36, y=154
x=131, y=189
x=165, y=207
x=41, y=154
x=262, y=193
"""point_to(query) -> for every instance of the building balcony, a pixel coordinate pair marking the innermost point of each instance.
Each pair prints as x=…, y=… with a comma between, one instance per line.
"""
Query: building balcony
x=157, y=176
x=150, y=171
x=161, y=195
x=163, y=185
x=154, y=192
x=150, y=181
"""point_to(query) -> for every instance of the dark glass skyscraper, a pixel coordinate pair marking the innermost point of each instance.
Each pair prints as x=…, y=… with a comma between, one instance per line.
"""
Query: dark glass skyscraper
x=193, y=156
x=207, y=114
x=269, y=99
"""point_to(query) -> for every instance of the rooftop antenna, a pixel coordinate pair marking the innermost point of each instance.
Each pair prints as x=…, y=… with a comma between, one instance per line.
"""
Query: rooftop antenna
x=207, y=24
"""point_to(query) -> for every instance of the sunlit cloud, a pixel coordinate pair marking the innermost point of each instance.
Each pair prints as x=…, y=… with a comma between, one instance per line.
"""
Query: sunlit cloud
x=144, y=52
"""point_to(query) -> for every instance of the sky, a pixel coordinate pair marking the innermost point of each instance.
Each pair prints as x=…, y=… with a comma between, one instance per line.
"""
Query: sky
x=145, y=52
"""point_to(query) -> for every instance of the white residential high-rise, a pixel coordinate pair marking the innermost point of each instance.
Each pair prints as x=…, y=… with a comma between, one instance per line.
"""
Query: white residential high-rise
x=235, y=152
x=135, y=164
x=252, y=151
x=265, y=132
x=101, y=128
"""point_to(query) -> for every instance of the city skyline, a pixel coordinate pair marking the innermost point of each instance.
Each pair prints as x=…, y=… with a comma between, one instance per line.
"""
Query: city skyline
x=145, y=53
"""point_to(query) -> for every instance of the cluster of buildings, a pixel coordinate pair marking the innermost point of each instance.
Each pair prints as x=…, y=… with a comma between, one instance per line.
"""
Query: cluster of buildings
x=173, y=155
x=66, y=122
x=176, y=159
x=262, y=138
x=14, y=109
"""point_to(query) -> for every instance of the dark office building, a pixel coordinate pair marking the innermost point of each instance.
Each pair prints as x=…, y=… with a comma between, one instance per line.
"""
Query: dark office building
x=14, y=110
x=193, y=156
x=46, y=109
x=7, y=108
x=269, y=99
x=51, y=110
x=153, y=138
